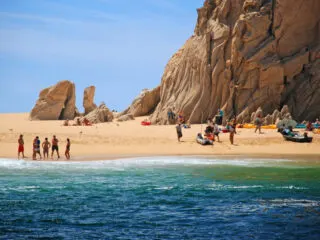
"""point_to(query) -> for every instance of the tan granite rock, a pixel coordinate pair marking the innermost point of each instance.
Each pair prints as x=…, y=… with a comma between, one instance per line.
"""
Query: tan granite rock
x=144, y=104
x=245, y=54
x=55, y=103
x=88, y=99
x=99, y=115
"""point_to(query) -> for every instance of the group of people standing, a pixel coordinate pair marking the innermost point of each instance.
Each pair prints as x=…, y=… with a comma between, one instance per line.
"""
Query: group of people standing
x=36, y=148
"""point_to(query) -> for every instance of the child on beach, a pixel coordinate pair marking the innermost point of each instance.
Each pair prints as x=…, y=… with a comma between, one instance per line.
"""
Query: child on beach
x=55, y=146
x=67, y=152
x=179, y=131
x=46, y=145
x=21, y=146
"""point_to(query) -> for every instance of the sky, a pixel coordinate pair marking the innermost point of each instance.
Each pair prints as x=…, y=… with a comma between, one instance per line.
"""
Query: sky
x=119, y=46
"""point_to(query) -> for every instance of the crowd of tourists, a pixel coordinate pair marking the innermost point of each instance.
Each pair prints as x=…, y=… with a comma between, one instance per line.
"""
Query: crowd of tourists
x=46, y=145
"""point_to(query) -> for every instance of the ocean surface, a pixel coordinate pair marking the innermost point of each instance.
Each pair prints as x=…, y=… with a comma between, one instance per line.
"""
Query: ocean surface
x=160, y=198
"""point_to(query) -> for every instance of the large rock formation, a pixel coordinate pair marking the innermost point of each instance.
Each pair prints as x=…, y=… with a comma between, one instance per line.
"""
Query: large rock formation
x=55, y=103
x=88, y=99
x=245, y=54
x=100, y=114
x=144, y=104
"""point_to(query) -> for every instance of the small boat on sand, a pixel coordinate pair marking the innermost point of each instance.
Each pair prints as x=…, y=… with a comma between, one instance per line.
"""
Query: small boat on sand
x=203, y=141
x=297, y=138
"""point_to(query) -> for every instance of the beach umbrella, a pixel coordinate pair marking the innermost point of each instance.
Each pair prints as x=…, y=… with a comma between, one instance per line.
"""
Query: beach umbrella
x=286, y=123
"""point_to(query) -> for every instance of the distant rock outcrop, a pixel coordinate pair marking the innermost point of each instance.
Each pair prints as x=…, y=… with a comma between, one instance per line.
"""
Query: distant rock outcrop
x=100, y=114
x=125, y=118
x=245, y=54
x=88, y=99
x=144, y=104
x=244, y=117
x=55, y=103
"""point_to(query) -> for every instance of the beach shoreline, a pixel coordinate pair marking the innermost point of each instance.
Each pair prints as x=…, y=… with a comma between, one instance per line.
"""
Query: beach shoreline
x=129, y=139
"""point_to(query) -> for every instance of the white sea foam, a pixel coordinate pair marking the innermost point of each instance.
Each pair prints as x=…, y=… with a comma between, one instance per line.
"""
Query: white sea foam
x=216, y=186
x=123, y=164
x=290, y=202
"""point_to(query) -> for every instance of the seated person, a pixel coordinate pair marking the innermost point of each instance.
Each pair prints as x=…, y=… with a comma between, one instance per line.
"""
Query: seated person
x=66, y=122
x=86, y=122
x=181, y=118
x=208, y=130
x=309, y=126
x=210, y=136
x=187, y=125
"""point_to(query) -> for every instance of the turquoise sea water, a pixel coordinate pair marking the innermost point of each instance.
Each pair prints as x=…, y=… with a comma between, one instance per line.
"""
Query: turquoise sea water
x=160, y=198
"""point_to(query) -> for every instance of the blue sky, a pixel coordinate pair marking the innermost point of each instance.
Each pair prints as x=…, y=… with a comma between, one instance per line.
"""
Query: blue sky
x=119, y=46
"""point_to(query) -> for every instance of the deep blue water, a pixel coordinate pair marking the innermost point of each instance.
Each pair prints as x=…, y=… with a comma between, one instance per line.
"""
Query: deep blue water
x=160, y=198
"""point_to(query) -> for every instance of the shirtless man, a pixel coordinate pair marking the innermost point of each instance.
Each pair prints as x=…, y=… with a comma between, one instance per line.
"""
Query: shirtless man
x=46, y=145
x=21, y=146
x=55, y=146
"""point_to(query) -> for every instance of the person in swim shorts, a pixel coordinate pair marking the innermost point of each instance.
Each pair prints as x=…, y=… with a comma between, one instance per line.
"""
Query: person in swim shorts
x=46, y=146
x=54, y=146
x=21, y=146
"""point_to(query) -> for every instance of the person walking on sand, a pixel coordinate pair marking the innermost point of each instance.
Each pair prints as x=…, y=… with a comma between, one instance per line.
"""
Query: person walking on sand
x=21, y=146
x=36, y=148
x=179, y=131
x=67, y=153
x=54, y=146
x=258, y=122
x=46, y=146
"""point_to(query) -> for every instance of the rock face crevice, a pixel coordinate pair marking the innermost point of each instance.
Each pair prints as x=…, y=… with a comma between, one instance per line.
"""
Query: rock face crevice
x=245, y=54
x=56, y=102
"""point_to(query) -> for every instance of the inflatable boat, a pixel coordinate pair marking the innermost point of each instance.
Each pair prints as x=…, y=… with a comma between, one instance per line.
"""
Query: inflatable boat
x=203, y=141
x=300, y=139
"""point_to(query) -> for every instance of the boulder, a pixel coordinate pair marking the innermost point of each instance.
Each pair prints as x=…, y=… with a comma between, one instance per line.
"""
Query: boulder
x=126, y=117
x=88, y=99
x=100, y=114
x=252, y=118
x=245, y=54
x=55, y=103
x=268, y=120
x=275, y=116
x=144, y=104
x=244, y=117
x=284, y=111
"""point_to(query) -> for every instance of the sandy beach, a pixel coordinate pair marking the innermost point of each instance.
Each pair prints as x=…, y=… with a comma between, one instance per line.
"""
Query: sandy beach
x=125, y=139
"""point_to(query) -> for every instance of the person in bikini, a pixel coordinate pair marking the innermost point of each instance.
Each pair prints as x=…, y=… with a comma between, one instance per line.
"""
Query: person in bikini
x=54, y=146
x=67, y=152
x=36, y=148
x=46, y=146
x=21, y=146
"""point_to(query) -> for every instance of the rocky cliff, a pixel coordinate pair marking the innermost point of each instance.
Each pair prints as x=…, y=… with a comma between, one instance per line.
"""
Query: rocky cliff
x=56, y=102
x=143, y=104
x=246, y=54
